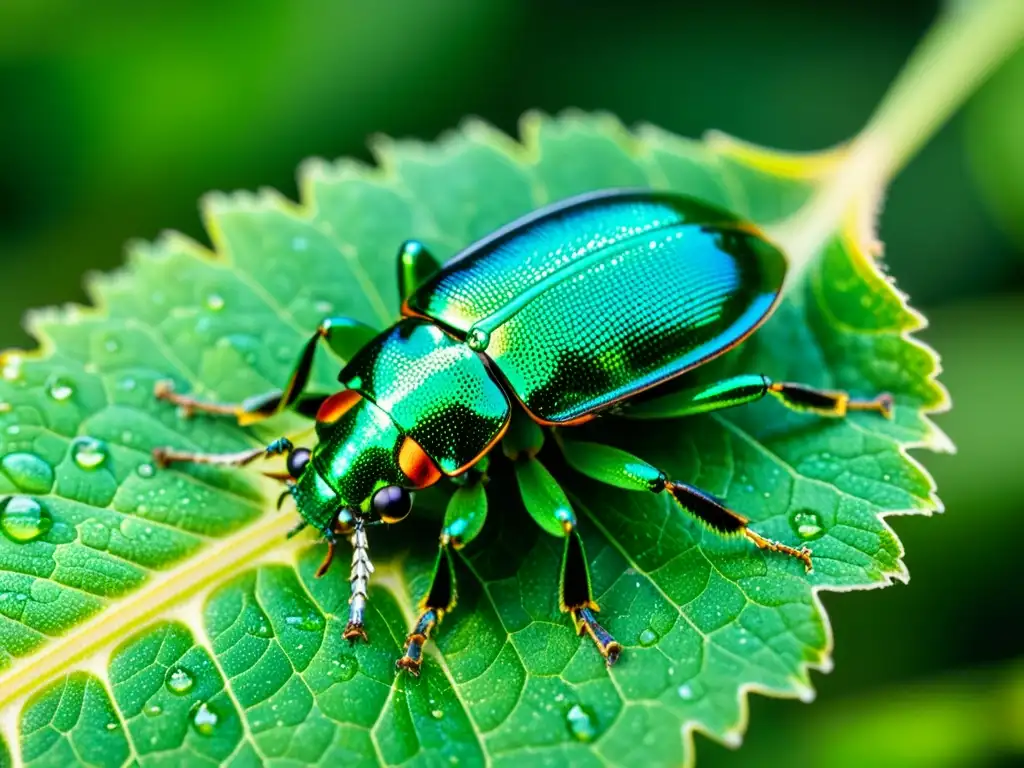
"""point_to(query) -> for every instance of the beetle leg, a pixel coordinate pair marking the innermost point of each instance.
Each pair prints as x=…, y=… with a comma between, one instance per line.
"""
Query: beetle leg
x=747, y=388
x=623, y=470
x=250, y=411
x=723, y=520
x=440, y=599
x=344, y=336
x=166, y=456
x=463, y=520
x=549, y=507
x=575, y=596
x=415, y=265
x=828, y=402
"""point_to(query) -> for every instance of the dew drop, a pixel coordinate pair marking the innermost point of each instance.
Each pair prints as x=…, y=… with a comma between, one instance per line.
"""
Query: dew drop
x=215, y=302
x=112, y=344
x=88, y=452
x=28, y=471
x=146, y=470
x=94, y=534
x=323, y=307
x=153, y=710
x=13, y=429
x=180, y=681
x=204, y=719
x=23, y=519
x=59, y=388
x=345, y=668
x=648, y=637
x=478, y=339
x=581, y=723
x=11, y=370
x=691, y=691
x=437, y=714
x=806, y=524
x=309, y=623
x=261, y=630
x=111, y=726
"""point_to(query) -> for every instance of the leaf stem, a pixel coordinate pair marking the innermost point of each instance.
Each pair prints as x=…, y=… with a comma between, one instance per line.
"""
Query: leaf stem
x=966, y=43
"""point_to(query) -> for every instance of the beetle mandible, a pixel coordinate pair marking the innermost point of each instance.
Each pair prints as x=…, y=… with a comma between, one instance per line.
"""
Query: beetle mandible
x=561, y=315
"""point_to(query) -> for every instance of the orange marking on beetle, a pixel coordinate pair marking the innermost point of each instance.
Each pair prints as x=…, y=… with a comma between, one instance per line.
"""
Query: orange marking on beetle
x=335, y=406
x=416, y=464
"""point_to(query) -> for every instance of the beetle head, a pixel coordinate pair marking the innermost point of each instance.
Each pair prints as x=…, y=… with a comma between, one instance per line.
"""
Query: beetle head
x=364, y=468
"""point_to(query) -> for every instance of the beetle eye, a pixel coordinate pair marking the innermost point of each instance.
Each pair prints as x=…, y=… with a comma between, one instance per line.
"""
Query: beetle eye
x=297, y=461
x=392, y=503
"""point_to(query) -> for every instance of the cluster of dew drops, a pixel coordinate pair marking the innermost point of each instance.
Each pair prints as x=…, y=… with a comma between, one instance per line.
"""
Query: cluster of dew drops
x=24, y=518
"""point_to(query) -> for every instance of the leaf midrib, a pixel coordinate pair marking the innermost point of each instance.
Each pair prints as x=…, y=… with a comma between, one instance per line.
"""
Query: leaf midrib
x=114, y=623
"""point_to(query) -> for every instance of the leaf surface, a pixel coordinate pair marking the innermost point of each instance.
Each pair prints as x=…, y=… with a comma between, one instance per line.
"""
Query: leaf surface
x=162, y=616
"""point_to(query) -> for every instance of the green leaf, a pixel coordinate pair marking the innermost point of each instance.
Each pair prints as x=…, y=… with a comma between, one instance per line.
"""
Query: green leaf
x=164, y=615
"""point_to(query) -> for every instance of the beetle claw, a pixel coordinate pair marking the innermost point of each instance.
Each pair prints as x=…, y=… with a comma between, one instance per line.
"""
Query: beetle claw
x=354, y=631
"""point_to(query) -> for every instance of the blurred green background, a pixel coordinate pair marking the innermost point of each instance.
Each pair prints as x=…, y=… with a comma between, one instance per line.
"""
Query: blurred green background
x=117, y=117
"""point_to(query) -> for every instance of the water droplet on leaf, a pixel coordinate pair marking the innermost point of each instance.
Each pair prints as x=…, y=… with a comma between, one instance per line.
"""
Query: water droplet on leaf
x=145, y=470
x=23, y=519
x=309, y=623
x=581, y=723
x=262, y=629
x=11, y=370
x=59, y=388
x=180, y=681
x=153, y=710
x=806, y=524
x=648, y=638
x=204, y=719
x=28, y=471
x=345, y=668
x=88, y=452
x=437, y=714
x=215, y=302
x=95, y=534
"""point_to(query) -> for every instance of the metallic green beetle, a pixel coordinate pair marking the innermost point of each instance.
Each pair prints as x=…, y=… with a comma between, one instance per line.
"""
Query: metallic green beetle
x=552, y=320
